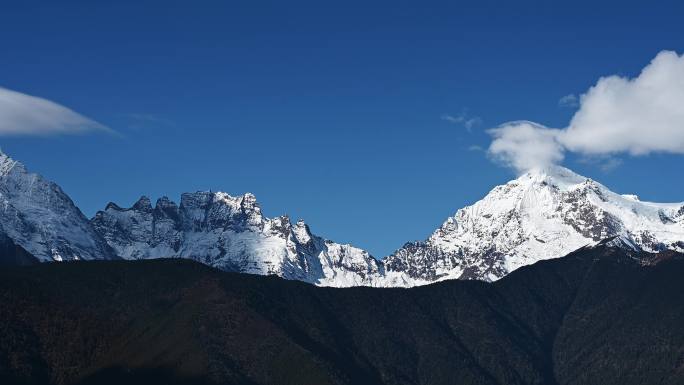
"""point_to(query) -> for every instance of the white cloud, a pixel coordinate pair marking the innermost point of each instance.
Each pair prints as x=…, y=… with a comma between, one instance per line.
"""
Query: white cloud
x=569, y=101
x=637, y=116
x=469, y=122
x=525, y=145
x=618, y=115
x=22, y=114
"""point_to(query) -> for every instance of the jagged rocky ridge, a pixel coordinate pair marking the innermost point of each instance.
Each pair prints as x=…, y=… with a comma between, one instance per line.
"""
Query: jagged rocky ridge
x=543, y=214
x=231, y=233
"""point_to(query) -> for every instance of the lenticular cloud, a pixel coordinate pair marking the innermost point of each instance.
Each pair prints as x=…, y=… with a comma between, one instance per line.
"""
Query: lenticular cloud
x=22, y=114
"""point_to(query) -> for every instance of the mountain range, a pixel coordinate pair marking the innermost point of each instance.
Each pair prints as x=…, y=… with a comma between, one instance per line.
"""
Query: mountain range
x=544, y=213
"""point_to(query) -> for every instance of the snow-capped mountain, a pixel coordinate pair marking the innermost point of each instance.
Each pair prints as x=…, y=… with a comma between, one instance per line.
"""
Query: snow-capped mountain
x=231, y=233
x=545, y=213
x=40, y=218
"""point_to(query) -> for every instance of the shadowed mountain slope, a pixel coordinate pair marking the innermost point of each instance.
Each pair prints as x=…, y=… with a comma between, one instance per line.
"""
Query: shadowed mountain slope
x=603, y=314
x=12, y=254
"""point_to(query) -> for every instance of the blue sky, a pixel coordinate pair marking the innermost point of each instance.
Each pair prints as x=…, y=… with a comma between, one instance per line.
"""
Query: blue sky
x=335, y=113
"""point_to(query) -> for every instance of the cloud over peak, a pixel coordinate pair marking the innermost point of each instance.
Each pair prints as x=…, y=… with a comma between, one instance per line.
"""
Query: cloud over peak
x=22, y=114
x=637, y=116
x=525, y=145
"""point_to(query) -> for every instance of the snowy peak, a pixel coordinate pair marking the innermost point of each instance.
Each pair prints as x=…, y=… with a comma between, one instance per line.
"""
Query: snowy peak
x=218, y=210
x=231, y=233
x=556, y=176
x=544, y=213
x=166, y=208
x=38, y=216
x=143, y=204
x=7, y=164
x=301, y=232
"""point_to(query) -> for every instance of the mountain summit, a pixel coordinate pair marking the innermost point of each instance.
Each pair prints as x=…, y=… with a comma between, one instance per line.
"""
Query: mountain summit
x=544, y=213
x=230, y=233
x=39, y=217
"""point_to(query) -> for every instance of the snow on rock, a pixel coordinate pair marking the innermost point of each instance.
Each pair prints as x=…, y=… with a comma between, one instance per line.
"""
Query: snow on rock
x=545, y=213
x=38, y=216
x=231, y=233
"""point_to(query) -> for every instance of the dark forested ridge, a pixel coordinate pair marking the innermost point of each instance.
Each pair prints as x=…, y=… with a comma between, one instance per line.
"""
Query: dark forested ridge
x=600, y=315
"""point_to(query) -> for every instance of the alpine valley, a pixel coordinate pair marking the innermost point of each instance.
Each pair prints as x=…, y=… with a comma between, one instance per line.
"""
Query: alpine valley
x=543, y=214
